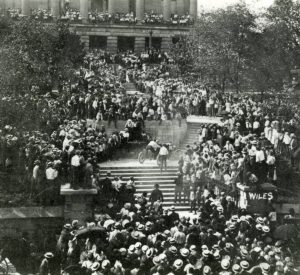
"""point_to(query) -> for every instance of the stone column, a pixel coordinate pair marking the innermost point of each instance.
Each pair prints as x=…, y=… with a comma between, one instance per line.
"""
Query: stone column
x=174, y=7
x=193, y=8
x=84, y=10
x=199, y=8
x=186, y=6
x=180, y=7
x=104, y=5
x=167, y=9
x=26, y=10
x=140, y=9
x=111, y=6
x=55, y=9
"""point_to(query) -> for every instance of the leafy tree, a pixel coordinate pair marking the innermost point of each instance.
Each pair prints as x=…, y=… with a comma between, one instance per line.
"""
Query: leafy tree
x=220, y=42
x=239, y=50
x=277, y=47
x=34, y=53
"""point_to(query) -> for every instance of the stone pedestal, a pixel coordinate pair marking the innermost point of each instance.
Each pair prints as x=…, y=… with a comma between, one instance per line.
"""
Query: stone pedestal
x=111, y=6
x=26, y=10
x=84, y=10
x=167, y=9
x=78, y=203
x=140, y=9
x=193, y=8
x=112, y=44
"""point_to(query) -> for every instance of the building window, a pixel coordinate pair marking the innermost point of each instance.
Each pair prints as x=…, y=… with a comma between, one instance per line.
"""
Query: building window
x=156, y=43
x=125, y=43
x=98, y=42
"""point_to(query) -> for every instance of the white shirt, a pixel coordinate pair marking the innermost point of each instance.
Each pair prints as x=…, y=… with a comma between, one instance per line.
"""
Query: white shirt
x=35, y=171
x=75, y=161
x=260, y=156
x=66, y=142
x=286, y=139
x=51, y=173
x=163, y=151
x=153, y=144
x=270, y=160
x=255, y=125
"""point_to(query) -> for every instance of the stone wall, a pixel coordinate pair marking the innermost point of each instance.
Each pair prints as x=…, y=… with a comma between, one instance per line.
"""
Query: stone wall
x=14, y=221
x=140, y=32
x=168, y=131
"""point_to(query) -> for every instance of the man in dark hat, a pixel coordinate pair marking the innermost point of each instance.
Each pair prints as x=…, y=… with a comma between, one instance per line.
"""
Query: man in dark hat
x=156, y=194
x=173, y=216
x=178, y=186
x=106, y=187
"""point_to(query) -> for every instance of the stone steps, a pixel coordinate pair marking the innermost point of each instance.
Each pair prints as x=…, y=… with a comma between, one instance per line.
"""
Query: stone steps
x=191, y=135
x=146, y=177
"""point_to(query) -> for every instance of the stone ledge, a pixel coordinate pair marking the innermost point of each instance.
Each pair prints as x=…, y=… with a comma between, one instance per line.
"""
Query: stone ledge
x=31, y=212
x=66, y=190
x=203, y=119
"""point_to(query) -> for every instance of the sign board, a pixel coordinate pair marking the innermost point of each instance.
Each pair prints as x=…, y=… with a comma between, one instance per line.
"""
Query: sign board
x=259, y=202
x=253, y=196
x=256, y=201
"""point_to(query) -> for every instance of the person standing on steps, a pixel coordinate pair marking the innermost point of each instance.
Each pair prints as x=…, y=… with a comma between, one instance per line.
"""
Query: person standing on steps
x=156, y=194
x=178, y=187
x=163, y=155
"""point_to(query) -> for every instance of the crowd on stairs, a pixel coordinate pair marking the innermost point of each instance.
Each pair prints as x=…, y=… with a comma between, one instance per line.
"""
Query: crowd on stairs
x=137, y=234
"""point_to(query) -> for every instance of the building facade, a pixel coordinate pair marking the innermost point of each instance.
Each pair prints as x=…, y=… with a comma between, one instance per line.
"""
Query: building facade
x=113, y=36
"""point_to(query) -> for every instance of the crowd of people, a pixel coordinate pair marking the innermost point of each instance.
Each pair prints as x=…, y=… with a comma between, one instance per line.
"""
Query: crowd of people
x=135, y=238
x=117, y=18
x=72, y=15
x=134, y=234
x=44, y=15
x=96, y=17
x=245, y=144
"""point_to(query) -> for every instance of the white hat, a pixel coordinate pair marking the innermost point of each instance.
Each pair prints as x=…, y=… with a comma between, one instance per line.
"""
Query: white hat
x=105, y=264
x=49, y=255
x=178, y=263
x=145, y=248
x=225, y=264
x=95, y=266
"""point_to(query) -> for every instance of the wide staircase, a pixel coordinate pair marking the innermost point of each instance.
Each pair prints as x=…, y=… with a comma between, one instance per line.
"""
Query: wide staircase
x=191, y=135
x=146, y=176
